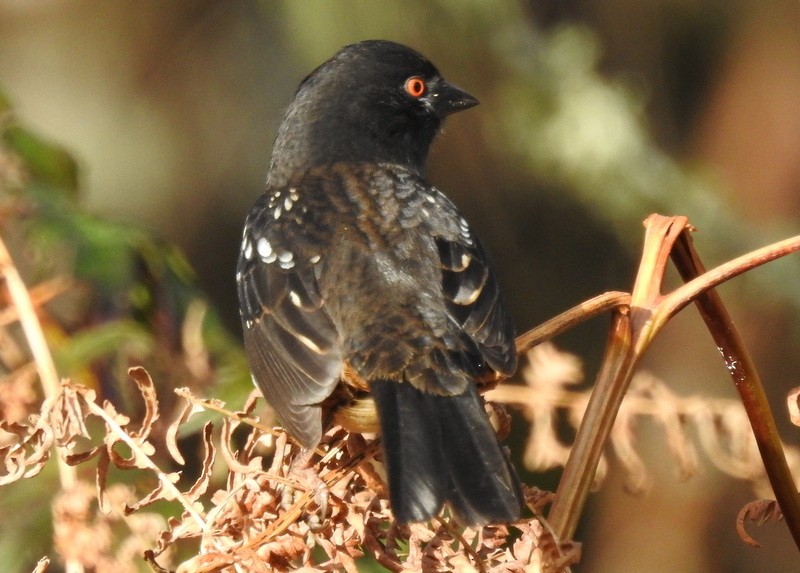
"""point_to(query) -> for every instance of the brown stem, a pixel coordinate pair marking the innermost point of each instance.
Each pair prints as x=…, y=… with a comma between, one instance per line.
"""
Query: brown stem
x=688, y=292
x=747, y=382
x=601, y=411
x=629, y=337
x=572, y=317
x=48, y=377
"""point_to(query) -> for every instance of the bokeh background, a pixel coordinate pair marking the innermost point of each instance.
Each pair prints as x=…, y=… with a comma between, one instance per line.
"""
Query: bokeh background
x=593, y=115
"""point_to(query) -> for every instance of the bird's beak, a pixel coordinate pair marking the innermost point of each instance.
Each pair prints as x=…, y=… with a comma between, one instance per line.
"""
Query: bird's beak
x=447, y=98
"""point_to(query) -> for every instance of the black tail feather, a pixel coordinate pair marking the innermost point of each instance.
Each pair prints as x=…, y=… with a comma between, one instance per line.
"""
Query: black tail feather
x=411, y=437
x=443, y=449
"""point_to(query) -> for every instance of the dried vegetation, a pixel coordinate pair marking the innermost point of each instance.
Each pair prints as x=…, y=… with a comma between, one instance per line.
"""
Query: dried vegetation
x=138, y=486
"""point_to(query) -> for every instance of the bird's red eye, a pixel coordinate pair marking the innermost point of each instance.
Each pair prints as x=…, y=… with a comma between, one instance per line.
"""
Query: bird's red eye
x=415, y=86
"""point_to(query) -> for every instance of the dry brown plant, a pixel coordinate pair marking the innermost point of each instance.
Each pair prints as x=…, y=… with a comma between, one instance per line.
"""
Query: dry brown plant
x=263, y=505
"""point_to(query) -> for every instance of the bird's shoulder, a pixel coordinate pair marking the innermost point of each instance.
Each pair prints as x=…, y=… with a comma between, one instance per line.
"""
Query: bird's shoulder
x=324, y=201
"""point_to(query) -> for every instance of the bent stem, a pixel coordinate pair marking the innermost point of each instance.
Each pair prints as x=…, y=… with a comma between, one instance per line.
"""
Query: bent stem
x=746, y=379
x=630, y=337
x=570, y=318
x=631, y=332
x=601, y=411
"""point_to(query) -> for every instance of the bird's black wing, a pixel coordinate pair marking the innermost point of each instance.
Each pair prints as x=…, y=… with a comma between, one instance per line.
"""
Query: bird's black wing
x=472, y=291
x=292, y=345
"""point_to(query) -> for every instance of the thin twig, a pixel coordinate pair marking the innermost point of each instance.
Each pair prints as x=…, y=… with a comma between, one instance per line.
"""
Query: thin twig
x=745, y=377
x=576, y=481
x=630, y=338
x=623, y=351
x=21, y=300
x=571, y=318
x=45, y=367
x=187, y=395
x=40, y=295
x=688, y=292
x=48, y=376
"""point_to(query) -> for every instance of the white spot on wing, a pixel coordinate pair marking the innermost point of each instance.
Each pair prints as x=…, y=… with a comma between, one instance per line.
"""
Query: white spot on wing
x=247, y=249
x=472, y=297
x=295, y=298
x=277, y=212
x=264, y=248
x=286, y=260
x=273, y=199
x=314, y=260
x=265, y=251
x=309, y=343
x=465, y=230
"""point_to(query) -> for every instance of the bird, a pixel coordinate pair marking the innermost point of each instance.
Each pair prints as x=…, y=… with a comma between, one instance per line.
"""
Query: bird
x=360, y=282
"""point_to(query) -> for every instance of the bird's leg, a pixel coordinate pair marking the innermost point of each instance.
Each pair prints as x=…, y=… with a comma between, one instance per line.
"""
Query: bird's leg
x=301, y=471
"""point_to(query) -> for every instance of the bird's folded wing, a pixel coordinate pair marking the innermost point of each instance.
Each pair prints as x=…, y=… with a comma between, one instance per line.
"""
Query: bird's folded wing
x=290, y=340
x=473, y=299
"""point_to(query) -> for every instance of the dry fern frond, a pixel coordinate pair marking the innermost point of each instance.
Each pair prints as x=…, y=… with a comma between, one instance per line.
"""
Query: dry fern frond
x=24, y=449
x=718, y=426
x=275, y=517
x=760, y=511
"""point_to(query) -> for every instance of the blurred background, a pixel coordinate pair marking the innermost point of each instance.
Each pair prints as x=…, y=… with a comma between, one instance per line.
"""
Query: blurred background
x=593, y=115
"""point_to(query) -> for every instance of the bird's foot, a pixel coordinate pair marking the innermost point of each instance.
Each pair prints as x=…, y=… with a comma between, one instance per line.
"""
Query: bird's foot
x=308, y=479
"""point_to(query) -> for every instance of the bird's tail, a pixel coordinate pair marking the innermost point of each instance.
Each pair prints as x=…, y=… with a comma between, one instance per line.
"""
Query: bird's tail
x=441, y=449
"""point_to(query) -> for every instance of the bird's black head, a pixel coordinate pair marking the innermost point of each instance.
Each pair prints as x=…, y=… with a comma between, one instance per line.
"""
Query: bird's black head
x=375, y=101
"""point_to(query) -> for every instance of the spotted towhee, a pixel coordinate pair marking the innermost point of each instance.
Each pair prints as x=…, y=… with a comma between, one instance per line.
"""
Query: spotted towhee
x=358, y=280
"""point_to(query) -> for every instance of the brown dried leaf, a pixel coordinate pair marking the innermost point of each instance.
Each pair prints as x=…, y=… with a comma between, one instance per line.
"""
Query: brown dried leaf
x=75, y=459
x=140, y=452
x=160, y=493
x=148, y=393
x=760, y=511
x=177, y=529
x=26, y=451
x=101, y=479
x=69, y=414
x=623, y=438
x=537, y=499
x=172, y=432
x=200, y=486
x=500, y=419
x=668, y=413
x=230, y=457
